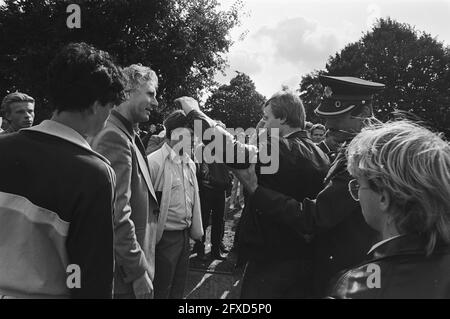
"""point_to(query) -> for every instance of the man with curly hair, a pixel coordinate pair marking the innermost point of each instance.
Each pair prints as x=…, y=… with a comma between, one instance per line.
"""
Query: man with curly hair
x=56, y=193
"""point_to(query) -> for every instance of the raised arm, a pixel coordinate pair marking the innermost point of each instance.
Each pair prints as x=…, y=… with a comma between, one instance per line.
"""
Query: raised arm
x=332, y=205
x=230, y=151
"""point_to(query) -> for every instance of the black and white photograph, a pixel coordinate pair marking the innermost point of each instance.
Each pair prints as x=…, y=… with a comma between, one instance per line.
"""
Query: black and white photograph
x=242, y=151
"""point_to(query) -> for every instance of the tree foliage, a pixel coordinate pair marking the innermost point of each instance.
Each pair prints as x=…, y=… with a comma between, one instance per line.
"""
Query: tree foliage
x=413, y=65
x=238, y=104
x=182, y=40
x=311, y=95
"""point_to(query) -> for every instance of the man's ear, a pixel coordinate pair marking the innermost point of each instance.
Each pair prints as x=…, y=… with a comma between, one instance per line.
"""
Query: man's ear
x=384, y=200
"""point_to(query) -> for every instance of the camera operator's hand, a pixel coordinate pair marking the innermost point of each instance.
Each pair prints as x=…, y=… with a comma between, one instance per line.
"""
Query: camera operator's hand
x=187, y=104
x=248, y=178
x=143, y=287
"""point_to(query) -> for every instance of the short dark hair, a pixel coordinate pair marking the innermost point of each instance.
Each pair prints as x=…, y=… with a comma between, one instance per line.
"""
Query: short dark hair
x=80, y=74
x=287, y=105
x=175, y=120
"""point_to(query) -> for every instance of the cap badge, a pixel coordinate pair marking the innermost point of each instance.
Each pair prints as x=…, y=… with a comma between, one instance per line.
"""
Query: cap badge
x=327, y=92
x=337, y=104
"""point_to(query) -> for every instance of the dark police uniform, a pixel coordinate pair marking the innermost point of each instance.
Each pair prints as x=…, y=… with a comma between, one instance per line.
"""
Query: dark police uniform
x=342, y=238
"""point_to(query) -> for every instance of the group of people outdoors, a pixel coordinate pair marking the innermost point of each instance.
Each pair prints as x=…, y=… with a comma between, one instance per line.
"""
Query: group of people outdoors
x=355, y=209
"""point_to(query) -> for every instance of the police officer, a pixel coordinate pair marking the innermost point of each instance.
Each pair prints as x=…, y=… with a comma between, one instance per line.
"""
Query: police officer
x=341, y=236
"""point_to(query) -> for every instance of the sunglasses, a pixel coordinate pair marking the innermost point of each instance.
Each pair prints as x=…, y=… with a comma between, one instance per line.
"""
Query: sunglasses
x=353, y=189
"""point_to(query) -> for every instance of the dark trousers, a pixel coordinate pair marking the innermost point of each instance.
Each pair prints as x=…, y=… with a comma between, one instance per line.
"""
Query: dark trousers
x=171, y=264
x=275, y=279
x=212, y=202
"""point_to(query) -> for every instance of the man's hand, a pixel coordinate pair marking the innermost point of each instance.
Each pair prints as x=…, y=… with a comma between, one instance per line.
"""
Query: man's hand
x=187, y=104
x=143, y=287
x=248, y=178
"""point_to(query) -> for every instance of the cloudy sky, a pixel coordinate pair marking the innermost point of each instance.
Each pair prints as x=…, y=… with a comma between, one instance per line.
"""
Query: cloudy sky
x=286, y=39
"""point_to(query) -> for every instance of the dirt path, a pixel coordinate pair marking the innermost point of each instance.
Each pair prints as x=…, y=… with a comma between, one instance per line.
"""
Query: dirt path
x=216, y=279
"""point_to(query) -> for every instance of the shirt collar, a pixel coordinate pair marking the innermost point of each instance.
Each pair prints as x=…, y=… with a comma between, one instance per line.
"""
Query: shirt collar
x=168, y=151
x=124, y=121
x=64, y=132
x=380, y=243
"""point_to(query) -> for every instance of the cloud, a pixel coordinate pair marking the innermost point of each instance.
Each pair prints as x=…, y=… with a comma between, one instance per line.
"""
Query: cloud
x=292, y=83
x=279, y=54
x=246, y=62
x=242, y=60
x=301, y=41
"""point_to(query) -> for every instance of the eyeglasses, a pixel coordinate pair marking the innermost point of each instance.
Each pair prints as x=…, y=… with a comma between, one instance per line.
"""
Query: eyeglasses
x=353, y=189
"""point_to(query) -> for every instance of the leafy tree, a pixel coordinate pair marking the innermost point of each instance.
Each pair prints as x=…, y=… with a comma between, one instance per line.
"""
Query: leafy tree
x=182, y=40
x=238, y=104
x=413, y=65
x=311, y=95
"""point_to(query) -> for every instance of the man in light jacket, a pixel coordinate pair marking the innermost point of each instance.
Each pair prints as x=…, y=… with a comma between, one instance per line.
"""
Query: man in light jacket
x=174, y=175
x=136, y=207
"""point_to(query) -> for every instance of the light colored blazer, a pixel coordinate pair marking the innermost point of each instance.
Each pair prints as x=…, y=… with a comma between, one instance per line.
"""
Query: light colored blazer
x=136, y=207
x=159, y=162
